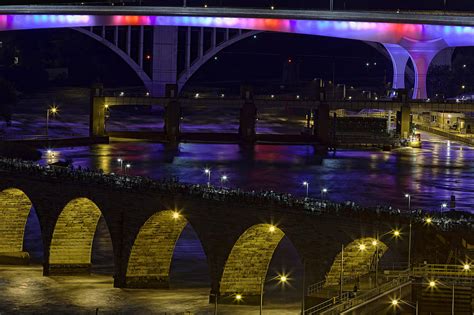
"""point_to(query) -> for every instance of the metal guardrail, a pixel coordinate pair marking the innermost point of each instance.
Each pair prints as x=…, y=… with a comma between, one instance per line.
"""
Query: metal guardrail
x=317, y=309
x=442, y=270
x=364, y=297
x=315, y=287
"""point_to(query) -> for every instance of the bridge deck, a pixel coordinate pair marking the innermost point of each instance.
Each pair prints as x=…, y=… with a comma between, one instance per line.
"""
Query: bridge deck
x=414, y=17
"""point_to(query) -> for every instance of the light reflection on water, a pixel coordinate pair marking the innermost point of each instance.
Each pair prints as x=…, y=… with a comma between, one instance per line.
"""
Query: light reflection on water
x=430, y=174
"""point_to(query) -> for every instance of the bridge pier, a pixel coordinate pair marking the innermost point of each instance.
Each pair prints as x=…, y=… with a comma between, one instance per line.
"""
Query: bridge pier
x=248, y=117
x=172, y=114
x=399, y=57
x=97, y=112
x=165, y=59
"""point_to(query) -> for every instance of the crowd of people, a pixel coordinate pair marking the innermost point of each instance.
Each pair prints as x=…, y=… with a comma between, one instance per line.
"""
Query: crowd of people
x=279, y=201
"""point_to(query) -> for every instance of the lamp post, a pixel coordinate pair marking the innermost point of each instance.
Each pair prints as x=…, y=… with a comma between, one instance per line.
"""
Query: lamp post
x=306, y=184
x=121, y=164
x=409, y=233
x=127, y=167
x=341, y=274
x=324, y=191
x=444, y=205
x=283, y=279
x=207, y=171
x=53, y=110
x=376, y=243
x=396, y=302
x=224, y=178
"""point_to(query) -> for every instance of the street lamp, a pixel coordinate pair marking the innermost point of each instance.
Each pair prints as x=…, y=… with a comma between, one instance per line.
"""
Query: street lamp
x=207, y=171
x=127, y=167
x=176, y=215
x=121, y=163
x=224, y=178
x=409, y=234
x=324, y=191
x=282, y=279
x=444, y=205
x=306, y=184
x=396, y=303
x=53, y=110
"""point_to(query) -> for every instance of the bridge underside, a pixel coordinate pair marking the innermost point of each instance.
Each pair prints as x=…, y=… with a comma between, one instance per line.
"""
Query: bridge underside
x=419, y=42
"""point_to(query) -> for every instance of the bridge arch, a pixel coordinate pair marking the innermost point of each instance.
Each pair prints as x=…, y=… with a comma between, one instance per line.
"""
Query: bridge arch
x=147, y=81
x=150, y=258
x=249, y=259
x=359, y=257
x=71, y=244
x=15, y=207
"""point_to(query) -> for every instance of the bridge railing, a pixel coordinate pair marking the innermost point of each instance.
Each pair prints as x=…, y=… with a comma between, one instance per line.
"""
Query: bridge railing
x=442, y=270
x=315, y=287
x=317, y=309
x=383, y=289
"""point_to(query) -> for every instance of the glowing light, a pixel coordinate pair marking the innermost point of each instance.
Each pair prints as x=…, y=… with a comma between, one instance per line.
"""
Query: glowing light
x=305, y=183
x=283, y=279
x=128, y=165
x=374, y=243
x=362, y=247
x=106, y=106
x=428, y=220
x=394, y=302
x=272, y=228
x=325, y=190
x=466, y=267
x=432, y=284
x=207, y=171
x=407, y=195
x=53, y=110
x=196, y=95
x=238, y=297
x=396, y=233
x=297, y=97
x=176, y=215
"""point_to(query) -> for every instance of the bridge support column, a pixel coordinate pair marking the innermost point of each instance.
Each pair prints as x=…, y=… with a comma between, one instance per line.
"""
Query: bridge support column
x=172, y=114
x=422, y=54
x=399, y=56
x=165, y=56
x=248, y=117
x=97, y=113
x=405, y=121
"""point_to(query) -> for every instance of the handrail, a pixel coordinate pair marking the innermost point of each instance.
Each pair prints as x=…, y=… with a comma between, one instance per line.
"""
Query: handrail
x=395, y=283
x=327, y=304
x=315, y=287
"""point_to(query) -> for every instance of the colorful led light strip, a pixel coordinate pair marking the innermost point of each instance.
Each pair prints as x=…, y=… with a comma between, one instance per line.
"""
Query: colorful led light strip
x=392, y=33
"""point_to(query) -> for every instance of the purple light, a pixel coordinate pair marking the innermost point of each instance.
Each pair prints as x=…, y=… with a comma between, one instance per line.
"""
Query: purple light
x=391, y=33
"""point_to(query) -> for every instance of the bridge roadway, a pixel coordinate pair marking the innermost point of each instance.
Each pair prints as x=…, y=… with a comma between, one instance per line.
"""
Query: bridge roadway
x=238, y=230
x=411, y=17
x=268, y=102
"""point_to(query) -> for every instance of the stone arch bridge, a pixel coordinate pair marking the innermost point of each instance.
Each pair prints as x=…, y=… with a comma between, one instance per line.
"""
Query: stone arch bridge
x=238, y=234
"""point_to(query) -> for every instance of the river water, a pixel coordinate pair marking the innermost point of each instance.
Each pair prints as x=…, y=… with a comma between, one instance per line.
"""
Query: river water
x=432, y=174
